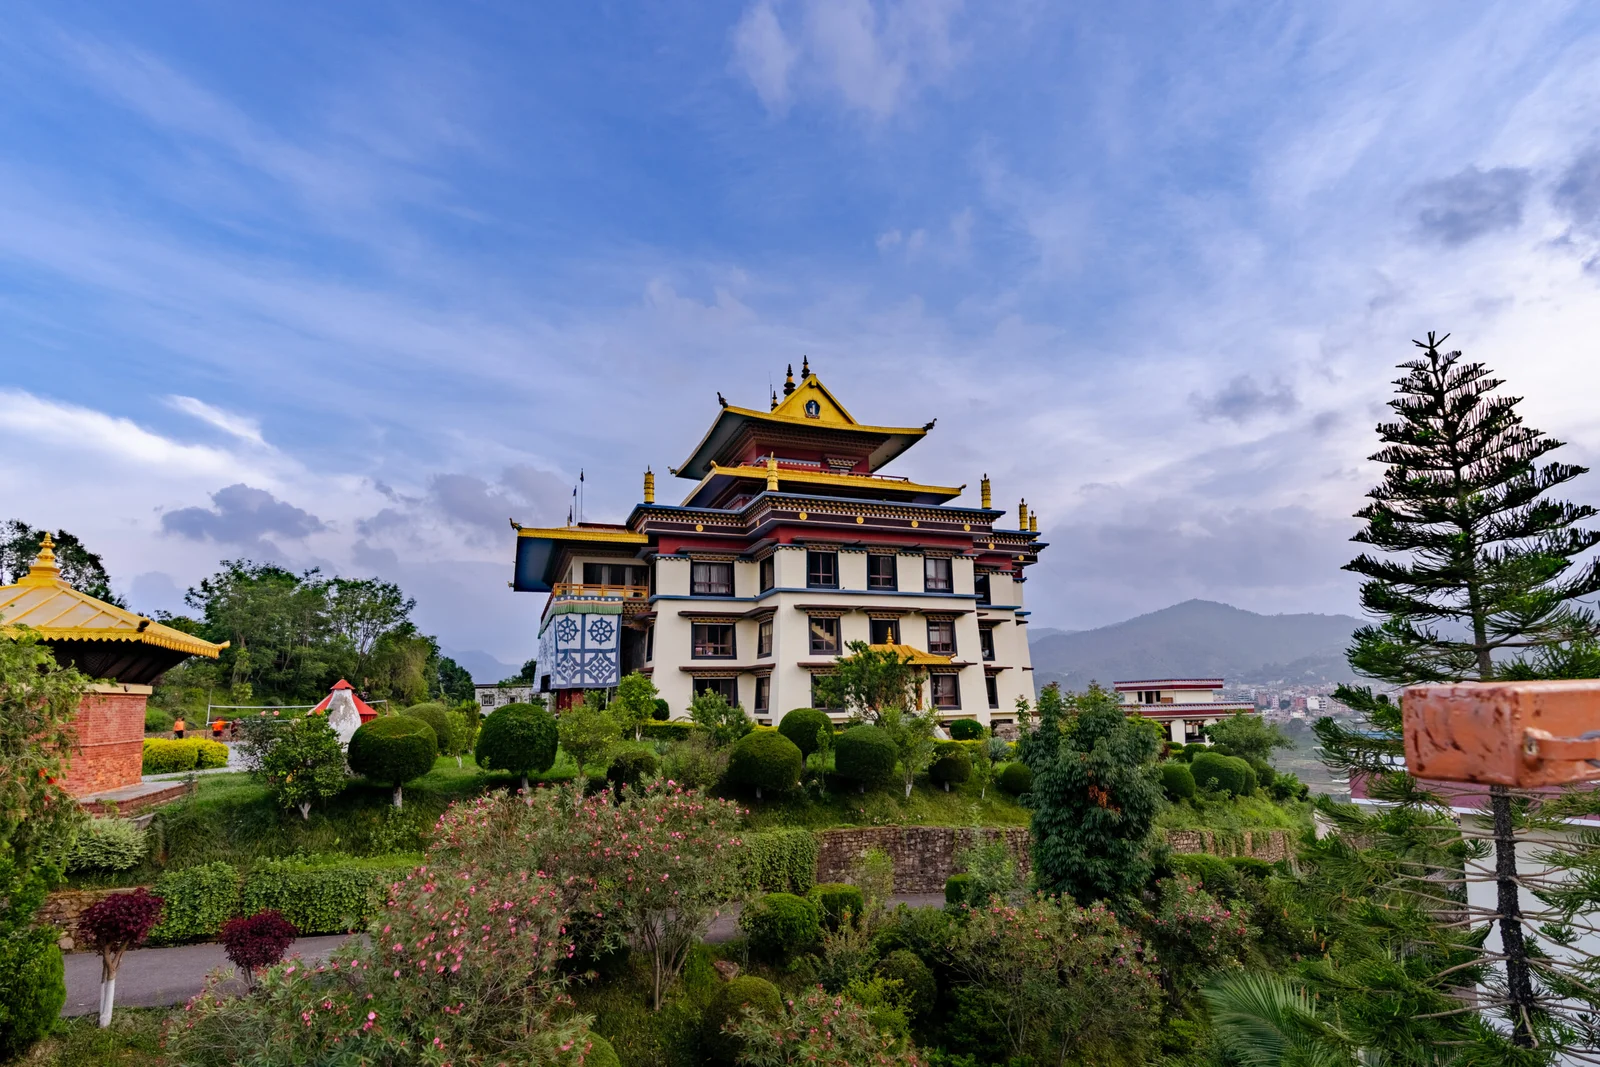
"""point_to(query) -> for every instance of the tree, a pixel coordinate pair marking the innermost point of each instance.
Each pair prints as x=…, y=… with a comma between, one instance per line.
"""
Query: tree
x=1247, y=736
x=363, y=610
x=589, y=735
x=868, y=680
x=634, y=703
x=724, y=723
x=114, y=924
x=1096, y=795
x=453, y=681
x=85, y=571
x=393, y=749
x=38, y=821
x=252, y=942
x=520, y=738
x=300, y=761
x=1475, y=542
x=912, y=735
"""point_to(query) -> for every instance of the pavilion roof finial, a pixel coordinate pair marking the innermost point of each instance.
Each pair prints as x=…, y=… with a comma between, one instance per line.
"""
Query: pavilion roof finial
x=774, y=400
x=805, y=367
x=44, y=564
x=788, y=381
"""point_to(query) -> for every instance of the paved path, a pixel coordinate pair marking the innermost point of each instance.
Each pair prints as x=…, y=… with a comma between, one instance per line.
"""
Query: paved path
x=157, y=977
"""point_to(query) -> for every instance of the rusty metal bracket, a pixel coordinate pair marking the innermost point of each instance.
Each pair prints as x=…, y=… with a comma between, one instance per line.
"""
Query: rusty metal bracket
x=1520, y=734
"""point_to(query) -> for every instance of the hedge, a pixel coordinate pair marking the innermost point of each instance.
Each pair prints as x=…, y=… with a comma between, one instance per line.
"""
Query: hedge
x=198, y=901
x=865, y=755
x=436, y=715
x=107, y=845
x=1177, y=780
x=675, y=730
x=780, y=925
x=1214, y=873
x=601, y=1054
x=33, y=987
x=1265, y=775
x=802, y=725
x=779, y=861
x=323, y=895
x=745, y=991
x=765, y=759
x=164, y=755
x=965, y=729
x=836, y=898
x=1015, y=778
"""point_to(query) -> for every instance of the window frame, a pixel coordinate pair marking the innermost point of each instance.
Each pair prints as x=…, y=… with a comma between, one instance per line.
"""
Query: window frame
x=767, y=571
x=697, y=643
x=991, y=685
x=725, y=686
x=942, y=647
x=815, y=556
x=832, y=622
x=986, y=643
x=708, y=588
x=764, y=639
x=934, y=583
x=954, y=682
x=892, y=636
x=763, y=697
x=889, y=582
x=981, y=587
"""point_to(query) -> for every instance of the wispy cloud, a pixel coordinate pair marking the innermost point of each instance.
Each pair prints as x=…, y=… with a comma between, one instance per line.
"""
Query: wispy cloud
x=244, y=428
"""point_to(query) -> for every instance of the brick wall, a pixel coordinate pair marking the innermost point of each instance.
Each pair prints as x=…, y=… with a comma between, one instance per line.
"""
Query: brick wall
x=924, y=856
x=110, y=749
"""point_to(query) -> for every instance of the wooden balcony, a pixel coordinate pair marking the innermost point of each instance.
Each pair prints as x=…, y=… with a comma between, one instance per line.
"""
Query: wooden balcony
x=581, y=589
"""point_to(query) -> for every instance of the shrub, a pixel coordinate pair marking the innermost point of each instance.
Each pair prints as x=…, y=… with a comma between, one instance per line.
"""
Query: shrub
x=728, y=1005
x=781, y=924
x=393, y=750
x=601, y=1054
x=865, y=755
x=724, y=723
x=33, y=988
x=1177, y=780
x=765, y=759
x=802, y=725
x=779, y=861
x=1223, y=774
x=437, y=716
x=670, y=731
x=1287, y=786
x=662, y=711
x=157, y=721
x=322, y=894
x=107, y=845
x=166, y=756
x=1193, y=749
x=694, y=763
x=917, y=985
x=1265, y=775
x=951, y=765
x=958, y=890
x=1015, y=778
x=115, y=924
x=198, y=901
x=209, y=754
x=1250, y=867
x=520, y=738
x=631, y=768
x=1213, y=873
x=256, y=941
x=966, y=729
x=300, y=761
x=836, y=898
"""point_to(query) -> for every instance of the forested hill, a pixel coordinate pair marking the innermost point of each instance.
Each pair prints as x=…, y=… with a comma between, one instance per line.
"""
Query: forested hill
x=1199, y=637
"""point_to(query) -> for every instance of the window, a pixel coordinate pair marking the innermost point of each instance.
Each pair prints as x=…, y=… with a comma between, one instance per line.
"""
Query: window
x=936, y=574
x=1149, y=696
x=980, y=585
x=763, y=692
x=986, y=642
x=728, y=687
x=713, y=640
x=992, y=684
x=942, y=637
x=711, y=579
x=880, y=572
x=822, y=570
x=769, y=573
x=650, y=643
x=824, y=636
x=614, y=574
x=764, y=638
x=820, y=697
x=946, y=691
x=885, y=631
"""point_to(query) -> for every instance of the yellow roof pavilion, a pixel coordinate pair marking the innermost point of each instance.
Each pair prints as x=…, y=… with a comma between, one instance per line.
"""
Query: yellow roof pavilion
x=43, y=601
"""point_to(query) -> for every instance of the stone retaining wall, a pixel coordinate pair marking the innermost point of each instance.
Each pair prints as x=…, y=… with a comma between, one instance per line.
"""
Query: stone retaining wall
x=1269, y=845
x=924, y=856
x=62, y=908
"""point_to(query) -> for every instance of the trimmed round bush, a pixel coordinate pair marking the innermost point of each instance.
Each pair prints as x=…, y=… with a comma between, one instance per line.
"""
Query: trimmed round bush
x=745, y=991
x=865, y=755
x=951, y=765
x=393, y=749
x=836, y=898
x=780, y=925
x=437, y=716
x=1265, y=775
x=916, y=981
x=1193, y=749
x=1177, y=780
x=520, y=738
x=1224, y=774
x=802, y=726
x=1215, y=874
x=33, y=987
x=765, y=759
x=958, y=890
x=630, y=768
x=662, y=711
x=601, y=1054
x=966, y=730
x=1015, y=778
x=210, y=754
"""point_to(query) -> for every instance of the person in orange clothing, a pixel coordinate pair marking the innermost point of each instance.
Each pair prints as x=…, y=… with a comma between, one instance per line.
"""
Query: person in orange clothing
x=177, y=729
x=217, y=728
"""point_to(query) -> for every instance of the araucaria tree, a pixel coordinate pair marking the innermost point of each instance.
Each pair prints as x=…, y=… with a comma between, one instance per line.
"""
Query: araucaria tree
x=1481, y=574
x=1096, y=793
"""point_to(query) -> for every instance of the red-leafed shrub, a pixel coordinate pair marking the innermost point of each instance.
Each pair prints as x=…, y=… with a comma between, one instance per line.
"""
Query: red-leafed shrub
x=119, y=921
x=255, y=941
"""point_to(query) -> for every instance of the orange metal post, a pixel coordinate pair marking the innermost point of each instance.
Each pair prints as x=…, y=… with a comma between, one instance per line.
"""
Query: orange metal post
x=1519, y=734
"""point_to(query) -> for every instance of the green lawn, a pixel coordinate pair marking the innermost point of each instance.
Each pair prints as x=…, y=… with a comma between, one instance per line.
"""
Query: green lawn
x=132, y=1040
x=928, y=805
x=1242, y=813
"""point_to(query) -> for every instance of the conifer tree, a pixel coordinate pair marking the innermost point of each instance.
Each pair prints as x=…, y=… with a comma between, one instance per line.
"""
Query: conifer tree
x=1483, y=582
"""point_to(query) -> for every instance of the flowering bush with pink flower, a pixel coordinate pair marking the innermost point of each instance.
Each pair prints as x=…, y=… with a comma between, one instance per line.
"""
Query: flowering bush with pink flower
x=1058, y=979
x=1194, y=933
x=819, y=1030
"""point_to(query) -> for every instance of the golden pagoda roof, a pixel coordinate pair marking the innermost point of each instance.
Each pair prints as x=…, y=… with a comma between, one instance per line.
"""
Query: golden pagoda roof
x=43, y=601
x=914, y=657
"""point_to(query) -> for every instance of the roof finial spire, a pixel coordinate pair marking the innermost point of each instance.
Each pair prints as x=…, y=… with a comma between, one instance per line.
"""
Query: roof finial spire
x=649, y=486
x=788, y=382
x=1022, y=515
x=805, y=367
x=44, y=568
x=983, y=489
x=772, y=472
x=774, y=400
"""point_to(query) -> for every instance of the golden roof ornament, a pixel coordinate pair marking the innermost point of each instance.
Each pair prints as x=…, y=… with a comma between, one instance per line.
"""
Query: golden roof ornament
x=772, y=472
x=983, y=490
x=44, y=568
x=788, y=381
x=1022, y=515
x=649, y=486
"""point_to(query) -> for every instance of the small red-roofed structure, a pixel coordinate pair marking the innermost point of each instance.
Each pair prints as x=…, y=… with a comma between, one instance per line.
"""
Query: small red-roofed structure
x=363, y=709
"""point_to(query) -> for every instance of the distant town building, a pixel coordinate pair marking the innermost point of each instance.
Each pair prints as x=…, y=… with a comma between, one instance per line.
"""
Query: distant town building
x=1186, y=705
x=499, y=695
x=790, y=546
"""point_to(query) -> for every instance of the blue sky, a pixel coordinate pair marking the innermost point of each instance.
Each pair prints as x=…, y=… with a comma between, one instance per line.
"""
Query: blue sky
x=349, y=285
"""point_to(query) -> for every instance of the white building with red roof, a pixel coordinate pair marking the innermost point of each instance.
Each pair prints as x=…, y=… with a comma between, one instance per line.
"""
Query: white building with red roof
x=1187, y=705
